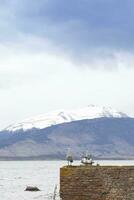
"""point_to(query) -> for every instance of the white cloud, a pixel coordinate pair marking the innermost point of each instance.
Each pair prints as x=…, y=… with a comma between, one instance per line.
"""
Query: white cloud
x=36, y=77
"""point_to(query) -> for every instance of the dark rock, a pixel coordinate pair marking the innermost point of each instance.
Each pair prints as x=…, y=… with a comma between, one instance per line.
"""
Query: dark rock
x=32, y=189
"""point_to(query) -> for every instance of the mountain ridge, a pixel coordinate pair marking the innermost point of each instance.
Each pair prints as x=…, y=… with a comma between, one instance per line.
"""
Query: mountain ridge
x=62, y=116
x=104, y=138
x=105, y=132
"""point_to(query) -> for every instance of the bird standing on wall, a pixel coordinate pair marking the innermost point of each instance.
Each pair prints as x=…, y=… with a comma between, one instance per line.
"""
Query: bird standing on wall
x=69, y=157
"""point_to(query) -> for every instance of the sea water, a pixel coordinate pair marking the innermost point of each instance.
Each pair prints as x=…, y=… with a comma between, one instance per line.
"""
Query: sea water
x=15, y=176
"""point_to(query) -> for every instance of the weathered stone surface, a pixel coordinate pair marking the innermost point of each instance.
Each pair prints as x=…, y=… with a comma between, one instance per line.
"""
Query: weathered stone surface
x=97, y=183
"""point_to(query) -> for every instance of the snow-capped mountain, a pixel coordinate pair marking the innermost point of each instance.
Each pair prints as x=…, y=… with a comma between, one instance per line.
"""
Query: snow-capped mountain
x=105, y=132
x=59, y=117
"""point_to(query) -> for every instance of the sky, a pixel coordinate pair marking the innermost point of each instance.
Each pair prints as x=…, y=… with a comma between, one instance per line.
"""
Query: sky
x=57, y=54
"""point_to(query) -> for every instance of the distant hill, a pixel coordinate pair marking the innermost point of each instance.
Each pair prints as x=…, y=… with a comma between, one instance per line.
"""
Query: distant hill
x=104, y=137
x=63, y=116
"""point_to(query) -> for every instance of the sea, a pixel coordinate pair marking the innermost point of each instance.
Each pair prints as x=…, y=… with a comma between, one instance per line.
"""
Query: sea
x=15, y=176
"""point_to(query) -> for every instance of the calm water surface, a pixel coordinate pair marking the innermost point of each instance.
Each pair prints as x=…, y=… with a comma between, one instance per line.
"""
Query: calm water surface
x=16, y=175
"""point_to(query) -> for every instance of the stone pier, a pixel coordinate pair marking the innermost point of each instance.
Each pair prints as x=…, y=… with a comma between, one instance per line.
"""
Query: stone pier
x=97, y=183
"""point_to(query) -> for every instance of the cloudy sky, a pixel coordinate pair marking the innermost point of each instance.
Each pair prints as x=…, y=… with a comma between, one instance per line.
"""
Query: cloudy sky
x=57, y=54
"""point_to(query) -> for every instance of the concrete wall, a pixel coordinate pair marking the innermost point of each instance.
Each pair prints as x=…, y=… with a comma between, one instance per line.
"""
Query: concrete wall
x=97, y=183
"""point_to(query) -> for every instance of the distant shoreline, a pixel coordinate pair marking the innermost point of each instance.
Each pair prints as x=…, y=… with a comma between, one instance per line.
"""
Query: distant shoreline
x=54, y=159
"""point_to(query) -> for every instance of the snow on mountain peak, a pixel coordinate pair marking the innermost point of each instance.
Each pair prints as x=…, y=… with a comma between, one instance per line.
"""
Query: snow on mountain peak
x=61, y=116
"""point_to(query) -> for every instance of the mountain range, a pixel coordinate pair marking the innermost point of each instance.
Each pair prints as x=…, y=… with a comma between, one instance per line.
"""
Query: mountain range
x=103, y=131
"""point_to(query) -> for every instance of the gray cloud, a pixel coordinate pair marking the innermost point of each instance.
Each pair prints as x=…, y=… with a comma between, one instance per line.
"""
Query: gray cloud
x=78, y=27
x=46, y=44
